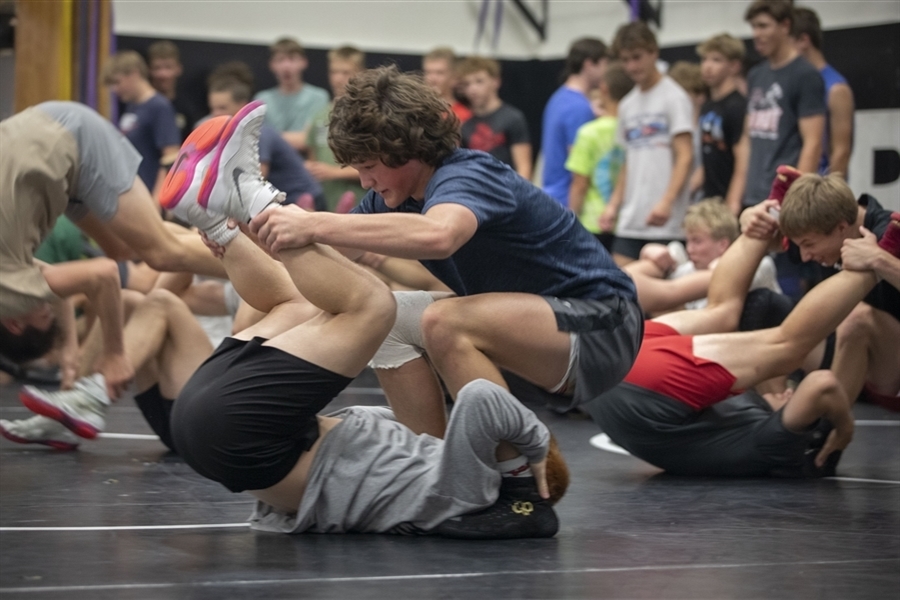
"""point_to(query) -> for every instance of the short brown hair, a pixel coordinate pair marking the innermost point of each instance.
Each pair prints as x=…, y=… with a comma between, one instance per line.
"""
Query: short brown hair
x=817, y=204
x=474, y=64
x=688, y=76
x=806, y=21
x=234, y=70
x=124, y=63
x=239, y=90
x=349, y=54
x=393, y=117
x=777, y=9
x=714, y=215
x=163, y=50
x=286, y=45
x=441, y=53
x=727, y=45
x=581, y=50
x=617, y=80
x=635, y=36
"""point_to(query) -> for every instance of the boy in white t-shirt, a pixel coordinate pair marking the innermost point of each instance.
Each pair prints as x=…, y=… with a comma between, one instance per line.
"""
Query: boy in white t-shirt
x=655, y=126
x=677, y=277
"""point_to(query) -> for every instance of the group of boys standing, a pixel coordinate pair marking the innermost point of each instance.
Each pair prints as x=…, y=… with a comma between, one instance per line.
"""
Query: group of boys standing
x=629, y=170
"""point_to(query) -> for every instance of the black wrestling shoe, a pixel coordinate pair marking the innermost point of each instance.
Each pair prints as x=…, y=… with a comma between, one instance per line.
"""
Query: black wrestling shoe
x=519, y=512
x=818, y=435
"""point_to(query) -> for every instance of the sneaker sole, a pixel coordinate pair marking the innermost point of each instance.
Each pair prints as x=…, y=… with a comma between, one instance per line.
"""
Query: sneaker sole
x=38, y=405
x=232, y=127
x=196, y=147
x=56, y=444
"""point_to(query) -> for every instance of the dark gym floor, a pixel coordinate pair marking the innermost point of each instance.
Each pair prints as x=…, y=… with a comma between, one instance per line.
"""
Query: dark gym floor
x=121, y=518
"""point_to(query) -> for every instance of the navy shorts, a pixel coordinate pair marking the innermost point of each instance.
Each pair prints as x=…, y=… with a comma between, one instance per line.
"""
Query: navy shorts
x=249, y=412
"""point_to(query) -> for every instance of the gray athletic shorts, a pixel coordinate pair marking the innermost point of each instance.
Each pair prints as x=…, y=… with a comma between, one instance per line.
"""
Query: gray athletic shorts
x=607, y=336
x=740, y=437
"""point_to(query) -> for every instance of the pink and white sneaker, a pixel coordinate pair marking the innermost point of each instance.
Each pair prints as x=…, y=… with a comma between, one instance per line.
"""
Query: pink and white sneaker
x=233, y=185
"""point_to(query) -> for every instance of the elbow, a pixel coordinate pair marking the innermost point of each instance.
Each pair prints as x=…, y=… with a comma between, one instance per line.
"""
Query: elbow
x=442, y=245
x=104, y=274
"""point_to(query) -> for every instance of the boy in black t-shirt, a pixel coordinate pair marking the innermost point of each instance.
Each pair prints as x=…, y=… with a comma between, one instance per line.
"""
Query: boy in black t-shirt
x=722, y=116
x=495, y=127
x=824, y=224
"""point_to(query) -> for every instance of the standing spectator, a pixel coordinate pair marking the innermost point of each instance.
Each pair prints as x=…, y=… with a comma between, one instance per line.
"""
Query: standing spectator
x=338, y=182
x=291, y=106
x=689, y=77
x=785, y=107
x=568, y=109
x=722, y=117
x=439, y=68
x=655, y=124
x=148, y=120
x=495, y=127
x=597, y=157
x=279, y=163
x=837, y=142
x=165, y=69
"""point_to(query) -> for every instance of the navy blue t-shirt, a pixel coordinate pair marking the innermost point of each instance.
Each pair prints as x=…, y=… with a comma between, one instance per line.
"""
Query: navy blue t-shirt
x=286, y=169
x=150, y=127
x=525, y=242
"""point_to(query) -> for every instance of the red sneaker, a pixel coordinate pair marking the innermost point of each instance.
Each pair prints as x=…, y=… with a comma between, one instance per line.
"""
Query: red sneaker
x=784, y=179
x=890, y=241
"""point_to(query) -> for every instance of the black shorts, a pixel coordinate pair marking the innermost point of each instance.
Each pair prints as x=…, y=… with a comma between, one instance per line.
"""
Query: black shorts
x=740, y=437
x=609, y=336
x=249, y=412
x=157, y=410
x=631, y=247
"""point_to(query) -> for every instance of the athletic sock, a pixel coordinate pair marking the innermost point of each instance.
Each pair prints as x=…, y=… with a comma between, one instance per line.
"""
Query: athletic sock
x=220, y=233
x=515, y=467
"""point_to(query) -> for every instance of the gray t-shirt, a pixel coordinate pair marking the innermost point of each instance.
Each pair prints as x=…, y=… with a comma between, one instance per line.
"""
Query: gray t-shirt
x=373, y=475
x=777, y=100
x=107, y=162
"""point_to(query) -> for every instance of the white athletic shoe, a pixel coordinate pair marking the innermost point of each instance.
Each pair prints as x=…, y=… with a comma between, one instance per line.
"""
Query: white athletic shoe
x=39, y=430
x=234, y=185
x=81, y=409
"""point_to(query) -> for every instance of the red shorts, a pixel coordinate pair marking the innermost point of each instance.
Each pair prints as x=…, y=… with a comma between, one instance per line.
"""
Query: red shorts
x=666, y=365
x=889, y=402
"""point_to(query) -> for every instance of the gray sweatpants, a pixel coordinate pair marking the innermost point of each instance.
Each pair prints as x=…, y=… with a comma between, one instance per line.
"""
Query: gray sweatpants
x=372, y=474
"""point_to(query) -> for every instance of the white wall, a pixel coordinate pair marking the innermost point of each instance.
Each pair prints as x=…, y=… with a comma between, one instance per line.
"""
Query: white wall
x=415, y=26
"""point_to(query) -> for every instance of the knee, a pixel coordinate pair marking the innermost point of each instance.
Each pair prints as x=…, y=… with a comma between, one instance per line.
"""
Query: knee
x=823, y=382
x=440, y=327
x=859, y=324
x=381, y=308
x=163, y=299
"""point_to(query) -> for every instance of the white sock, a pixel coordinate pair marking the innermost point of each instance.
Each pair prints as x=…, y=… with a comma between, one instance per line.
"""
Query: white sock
x=220, y=233
x=515, y=467
x=265, y=195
